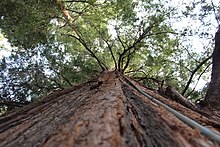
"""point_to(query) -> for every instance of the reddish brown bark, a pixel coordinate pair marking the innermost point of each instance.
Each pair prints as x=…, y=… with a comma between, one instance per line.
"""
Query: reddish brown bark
x=104, y=112
x=171, y=93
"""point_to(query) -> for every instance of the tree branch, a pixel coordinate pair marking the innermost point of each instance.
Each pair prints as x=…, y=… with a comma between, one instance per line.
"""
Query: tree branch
x=129, y=56
x=216, y=16
x=127, y=63
x=189, y=54
x=193, y=73
x=109, y=46
x=14, y=104
x=58, y=84
x=110, y=49
x=120, y=60
x=101, y=64
x=77, y=1
x=81, y=40
x=159, y=33
x=137, y=41
x=77, y=12
x=198, y=80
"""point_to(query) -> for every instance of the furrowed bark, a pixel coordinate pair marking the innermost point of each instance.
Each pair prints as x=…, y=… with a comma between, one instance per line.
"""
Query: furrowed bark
x=107, y=111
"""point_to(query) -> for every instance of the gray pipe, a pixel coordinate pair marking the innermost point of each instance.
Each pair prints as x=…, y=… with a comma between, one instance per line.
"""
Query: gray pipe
x=205, y=131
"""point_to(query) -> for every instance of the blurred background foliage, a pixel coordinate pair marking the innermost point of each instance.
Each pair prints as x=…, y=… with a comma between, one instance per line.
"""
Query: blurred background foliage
x=54, y=44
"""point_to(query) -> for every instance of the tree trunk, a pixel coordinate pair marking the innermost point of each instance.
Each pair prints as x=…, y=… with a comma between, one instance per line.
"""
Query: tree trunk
x=105, y=112
x=212, y=97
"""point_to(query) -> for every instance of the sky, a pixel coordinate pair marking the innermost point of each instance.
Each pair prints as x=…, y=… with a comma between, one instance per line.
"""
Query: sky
x=198, y=44
x=4, y=46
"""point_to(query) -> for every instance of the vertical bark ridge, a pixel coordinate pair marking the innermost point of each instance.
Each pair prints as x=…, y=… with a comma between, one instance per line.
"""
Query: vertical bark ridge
x=104, y=112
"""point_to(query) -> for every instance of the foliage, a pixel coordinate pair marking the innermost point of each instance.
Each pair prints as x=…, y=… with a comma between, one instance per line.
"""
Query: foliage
x=57, y=44
x=26, y=23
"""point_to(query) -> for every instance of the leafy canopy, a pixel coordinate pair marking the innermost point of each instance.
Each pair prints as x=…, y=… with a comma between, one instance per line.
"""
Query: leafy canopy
x=56, y=44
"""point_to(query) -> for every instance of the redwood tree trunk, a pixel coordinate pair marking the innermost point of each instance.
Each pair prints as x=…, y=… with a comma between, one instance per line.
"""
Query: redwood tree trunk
x=106, y=112
x=212, y=97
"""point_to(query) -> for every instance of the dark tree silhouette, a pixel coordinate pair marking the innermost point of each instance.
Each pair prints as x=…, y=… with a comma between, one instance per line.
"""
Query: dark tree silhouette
x=212, y=97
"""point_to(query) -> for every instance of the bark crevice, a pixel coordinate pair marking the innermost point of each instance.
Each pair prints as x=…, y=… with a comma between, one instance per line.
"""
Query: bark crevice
x=111, y=113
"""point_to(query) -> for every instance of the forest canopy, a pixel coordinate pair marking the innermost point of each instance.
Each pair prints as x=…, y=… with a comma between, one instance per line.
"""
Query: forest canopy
x=56, y=44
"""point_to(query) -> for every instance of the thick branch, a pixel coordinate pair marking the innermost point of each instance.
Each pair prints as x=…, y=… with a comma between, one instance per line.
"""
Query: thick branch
x=63, y=9
x=129, y=56
x=137, y=41
x=198, y=79
x=69, y=18
x=193, y=73
x=127, y=63
x=176, y=96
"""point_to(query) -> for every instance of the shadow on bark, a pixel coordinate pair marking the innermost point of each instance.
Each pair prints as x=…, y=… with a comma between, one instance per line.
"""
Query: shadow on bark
x=107, y=111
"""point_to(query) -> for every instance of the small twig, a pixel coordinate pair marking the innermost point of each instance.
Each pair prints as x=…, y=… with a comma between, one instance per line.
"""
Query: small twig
x=112, y=54
x=109, y=46
x=216, y=16
x=62, y=76
x=101, y=64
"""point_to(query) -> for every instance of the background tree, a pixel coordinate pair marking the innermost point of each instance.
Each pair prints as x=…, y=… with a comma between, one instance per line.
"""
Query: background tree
x=212, y=96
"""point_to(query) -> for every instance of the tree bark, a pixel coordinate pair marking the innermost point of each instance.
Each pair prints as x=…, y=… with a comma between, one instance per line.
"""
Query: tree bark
x=212, y=97
x=176, y=96
x=103, y=112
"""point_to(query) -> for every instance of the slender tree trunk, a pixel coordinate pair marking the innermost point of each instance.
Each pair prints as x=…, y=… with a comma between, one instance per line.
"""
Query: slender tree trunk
x=106, y=112
x=212, y=97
